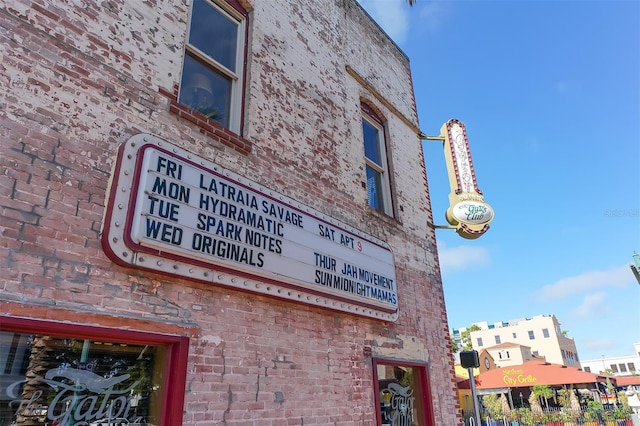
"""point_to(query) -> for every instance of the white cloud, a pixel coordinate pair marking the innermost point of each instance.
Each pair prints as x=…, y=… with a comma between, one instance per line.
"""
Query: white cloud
x=392, y=16
x=434, y=14
x=453, y=259
x=616, y=277
x=593, y=305
x=598, y=344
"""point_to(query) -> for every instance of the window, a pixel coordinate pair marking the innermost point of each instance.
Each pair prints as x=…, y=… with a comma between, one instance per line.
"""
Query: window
x=503, y=354
x=54, y=373
x=614, y=368
x=497, y=340
x=213, y=67
x=479, y=340
x=587, y=369
x=623, y=368
x=632, y=366
x=375, y=153
x=545, y=332
x=402, y=392
x=514, y=335
x=531, y=335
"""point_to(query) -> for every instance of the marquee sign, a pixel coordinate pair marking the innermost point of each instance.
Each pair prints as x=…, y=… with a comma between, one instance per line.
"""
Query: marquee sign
x=467, y=211
x=173, y=212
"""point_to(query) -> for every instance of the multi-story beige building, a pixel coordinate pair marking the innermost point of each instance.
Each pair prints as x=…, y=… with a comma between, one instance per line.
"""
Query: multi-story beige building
x=542, y=334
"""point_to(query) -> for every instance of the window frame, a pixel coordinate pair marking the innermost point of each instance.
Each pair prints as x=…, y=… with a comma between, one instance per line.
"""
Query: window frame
x=423, y=380
x=175, y=368
x=532, y=335
x=382, y=168
x=232, y=11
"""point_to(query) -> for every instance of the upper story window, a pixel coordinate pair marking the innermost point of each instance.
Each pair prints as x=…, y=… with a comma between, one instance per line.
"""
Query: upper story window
x=631, y=366
x=531, y=335
x=587, y=369
x=375, y=152
x=497, y=339
x=480, y=342
x=545, y=332
x=213, y=68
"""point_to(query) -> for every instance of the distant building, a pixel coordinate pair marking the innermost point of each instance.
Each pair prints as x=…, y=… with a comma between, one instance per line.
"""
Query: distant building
x=506, y=354
x=616, y=365
x=540, y=336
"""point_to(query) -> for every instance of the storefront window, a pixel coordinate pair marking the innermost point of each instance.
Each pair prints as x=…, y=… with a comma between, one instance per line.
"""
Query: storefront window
x=402, y=393
x=104, y=377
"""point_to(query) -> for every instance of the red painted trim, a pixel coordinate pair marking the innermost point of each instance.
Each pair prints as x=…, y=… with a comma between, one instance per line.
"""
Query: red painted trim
x=104, y=238
x=175, y=369
x=454, y=156
x=423, y=380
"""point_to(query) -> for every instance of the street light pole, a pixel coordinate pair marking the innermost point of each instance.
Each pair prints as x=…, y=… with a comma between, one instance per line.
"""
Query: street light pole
x=470, y=360
x=474, y=395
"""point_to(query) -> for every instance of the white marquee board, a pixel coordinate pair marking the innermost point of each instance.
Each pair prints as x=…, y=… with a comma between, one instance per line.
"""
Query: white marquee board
x=174, y=212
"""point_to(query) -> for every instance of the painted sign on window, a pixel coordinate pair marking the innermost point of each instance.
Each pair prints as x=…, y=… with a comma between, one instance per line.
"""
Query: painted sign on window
x=65, y=381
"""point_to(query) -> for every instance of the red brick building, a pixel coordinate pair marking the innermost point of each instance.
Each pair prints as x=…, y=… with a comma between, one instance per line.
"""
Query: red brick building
x=214, y=213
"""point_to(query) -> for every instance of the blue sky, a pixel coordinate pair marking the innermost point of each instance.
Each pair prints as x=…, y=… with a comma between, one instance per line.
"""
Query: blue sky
x=549, y=92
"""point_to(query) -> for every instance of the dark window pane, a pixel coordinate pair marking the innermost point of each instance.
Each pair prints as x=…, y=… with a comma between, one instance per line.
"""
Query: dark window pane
x=371, y=142
x=374, y=195
x=205, y=91
x=214, y=34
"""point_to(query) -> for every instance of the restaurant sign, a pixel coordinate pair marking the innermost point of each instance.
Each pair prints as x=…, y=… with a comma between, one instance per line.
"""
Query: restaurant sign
x=468, y=213
x=517, y=377
x=173, y=212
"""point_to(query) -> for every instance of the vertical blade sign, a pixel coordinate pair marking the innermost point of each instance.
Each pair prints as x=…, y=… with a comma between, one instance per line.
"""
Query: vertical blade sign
x=467, y=211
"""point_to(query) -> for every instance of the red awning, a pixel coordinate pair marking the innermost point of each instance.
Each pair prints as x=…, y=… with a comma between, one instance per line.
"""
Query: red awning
x=536, y=372
x=624, y=381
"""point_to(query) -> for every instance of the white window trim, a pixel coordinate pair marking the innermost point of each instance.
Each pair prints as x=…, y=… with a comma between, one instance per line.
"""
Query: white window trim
x=237, y=85
x=382, y=168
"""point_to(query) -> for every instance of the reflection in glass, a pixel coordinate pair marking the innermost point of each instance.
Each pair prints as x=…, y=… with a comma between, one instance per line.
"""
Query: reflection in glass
x=400, y=395
x=371, y=142
x=214, y=33
x=205, y=91
x=64, y=381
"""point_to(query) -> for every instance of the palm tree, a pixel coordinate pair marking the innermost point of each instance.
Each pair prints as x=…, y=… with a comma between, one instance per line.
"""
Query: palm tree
x=543, y=391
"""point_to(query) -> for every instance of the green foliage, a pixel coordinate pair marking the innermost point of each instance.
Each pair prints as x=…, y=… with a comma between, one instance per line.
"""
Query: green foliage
x=465, y=337
x=594, y=409
x=455, y=348
x=493, y=405
x=523, y=415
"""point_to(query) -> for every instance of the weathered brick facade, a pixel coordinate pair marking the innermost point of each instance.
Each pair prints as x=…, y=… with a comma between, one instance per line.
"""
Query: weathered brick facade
x=81, y=77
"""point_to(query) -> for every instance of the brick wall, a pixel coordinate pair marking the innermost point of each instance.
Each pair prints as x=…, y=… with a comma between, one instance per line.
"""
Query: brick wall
x=81, y=77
